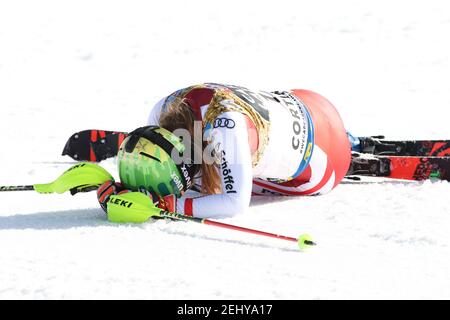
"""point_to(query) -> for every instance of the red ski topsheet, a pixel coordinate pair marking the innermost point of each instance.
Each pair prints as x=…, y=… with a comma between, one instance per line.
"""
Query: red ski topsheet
x=419, y=168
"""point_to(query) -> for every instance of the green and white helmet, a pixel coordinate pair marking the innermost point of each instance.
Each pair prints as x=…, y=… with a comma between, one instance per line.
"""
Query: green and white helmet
x=145, y=162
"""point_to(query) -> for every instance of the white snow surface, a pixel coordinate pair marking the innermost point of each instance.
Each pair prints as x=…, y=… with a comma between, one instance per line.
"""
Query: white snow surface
x=72, y=65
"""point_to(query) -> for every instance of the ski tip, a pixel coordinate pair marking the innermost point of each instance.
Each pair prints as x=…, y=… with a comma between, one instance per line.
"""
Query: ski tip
x=67, y=151
x=305, y=241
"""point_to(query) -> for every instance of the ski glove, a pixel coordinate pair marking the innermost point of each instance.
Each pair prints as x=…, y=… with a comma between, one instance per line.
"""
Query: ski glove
x=107, y=189
x=168, y=203
x=110, y=187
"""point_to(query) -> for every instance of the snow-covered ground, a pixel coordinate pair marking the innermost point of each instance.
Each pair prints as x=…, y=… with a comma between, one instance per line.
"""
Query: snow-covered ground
x=67, y=66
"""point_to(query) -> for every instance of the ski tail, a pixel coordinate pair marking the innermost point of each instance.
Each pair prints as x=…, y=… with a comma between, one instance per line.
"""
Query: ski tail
x=93, y=145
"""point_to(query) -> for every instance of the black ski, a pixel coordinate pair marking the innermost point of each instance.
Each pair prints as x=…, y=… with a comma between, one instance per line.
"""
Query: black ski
x=378, y=145
x=93, y=145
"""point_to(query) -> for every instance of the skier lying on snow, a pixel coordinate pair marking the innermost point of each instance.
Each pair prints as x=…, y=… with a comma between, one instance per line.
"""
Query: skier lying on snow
x=236, y=143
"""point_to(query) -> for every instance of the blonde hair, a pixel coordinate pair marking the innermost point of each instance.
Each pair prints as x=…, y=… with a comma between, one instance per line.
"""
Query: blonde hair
x=179, y=115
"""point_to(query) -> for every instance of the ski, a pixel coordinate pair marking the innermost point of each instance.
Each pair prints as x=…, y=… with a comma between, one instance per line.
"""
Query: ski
x=400, y=167
x=97, y=145
x=409, y=159
x=378, y=145
x=93, y=145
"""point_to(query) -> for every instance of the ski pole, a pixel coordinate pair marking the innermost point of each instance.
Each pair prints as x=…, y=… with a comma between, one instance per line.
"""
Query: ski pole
x=137, y=207
x=303, y=240
x=82, y=177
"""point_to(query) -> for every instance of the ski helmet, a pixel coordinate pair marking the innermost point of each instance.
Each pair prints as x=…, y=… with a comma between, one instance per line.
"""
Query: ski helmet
x=145, y=161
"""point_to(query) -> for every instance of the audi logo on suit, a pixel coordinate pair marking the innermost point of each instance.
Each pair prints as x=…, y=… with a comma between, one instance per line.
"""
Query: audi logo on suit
x=224, y=123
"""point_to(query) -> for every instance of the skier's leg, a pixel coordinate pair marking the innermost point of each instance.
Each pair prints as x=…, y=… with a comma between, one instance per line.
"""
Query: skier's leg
x=317, y=178
x=330, y=137
x=331, y=154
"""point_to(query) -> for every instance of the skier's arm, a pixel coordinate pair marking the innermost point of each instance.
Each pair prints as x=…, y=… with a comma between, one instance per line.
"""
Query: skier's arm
x=230, y=141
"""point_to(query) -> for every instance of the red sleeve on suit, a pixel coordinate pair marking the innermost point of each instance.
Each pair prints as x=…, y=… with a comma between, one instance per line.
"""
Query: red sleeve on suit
x=188, y=207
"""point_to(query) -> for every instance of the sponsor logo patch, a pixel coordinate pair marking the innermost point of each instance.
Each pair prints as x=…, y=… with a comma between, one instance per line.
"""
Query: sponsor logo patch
x=224, y=123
